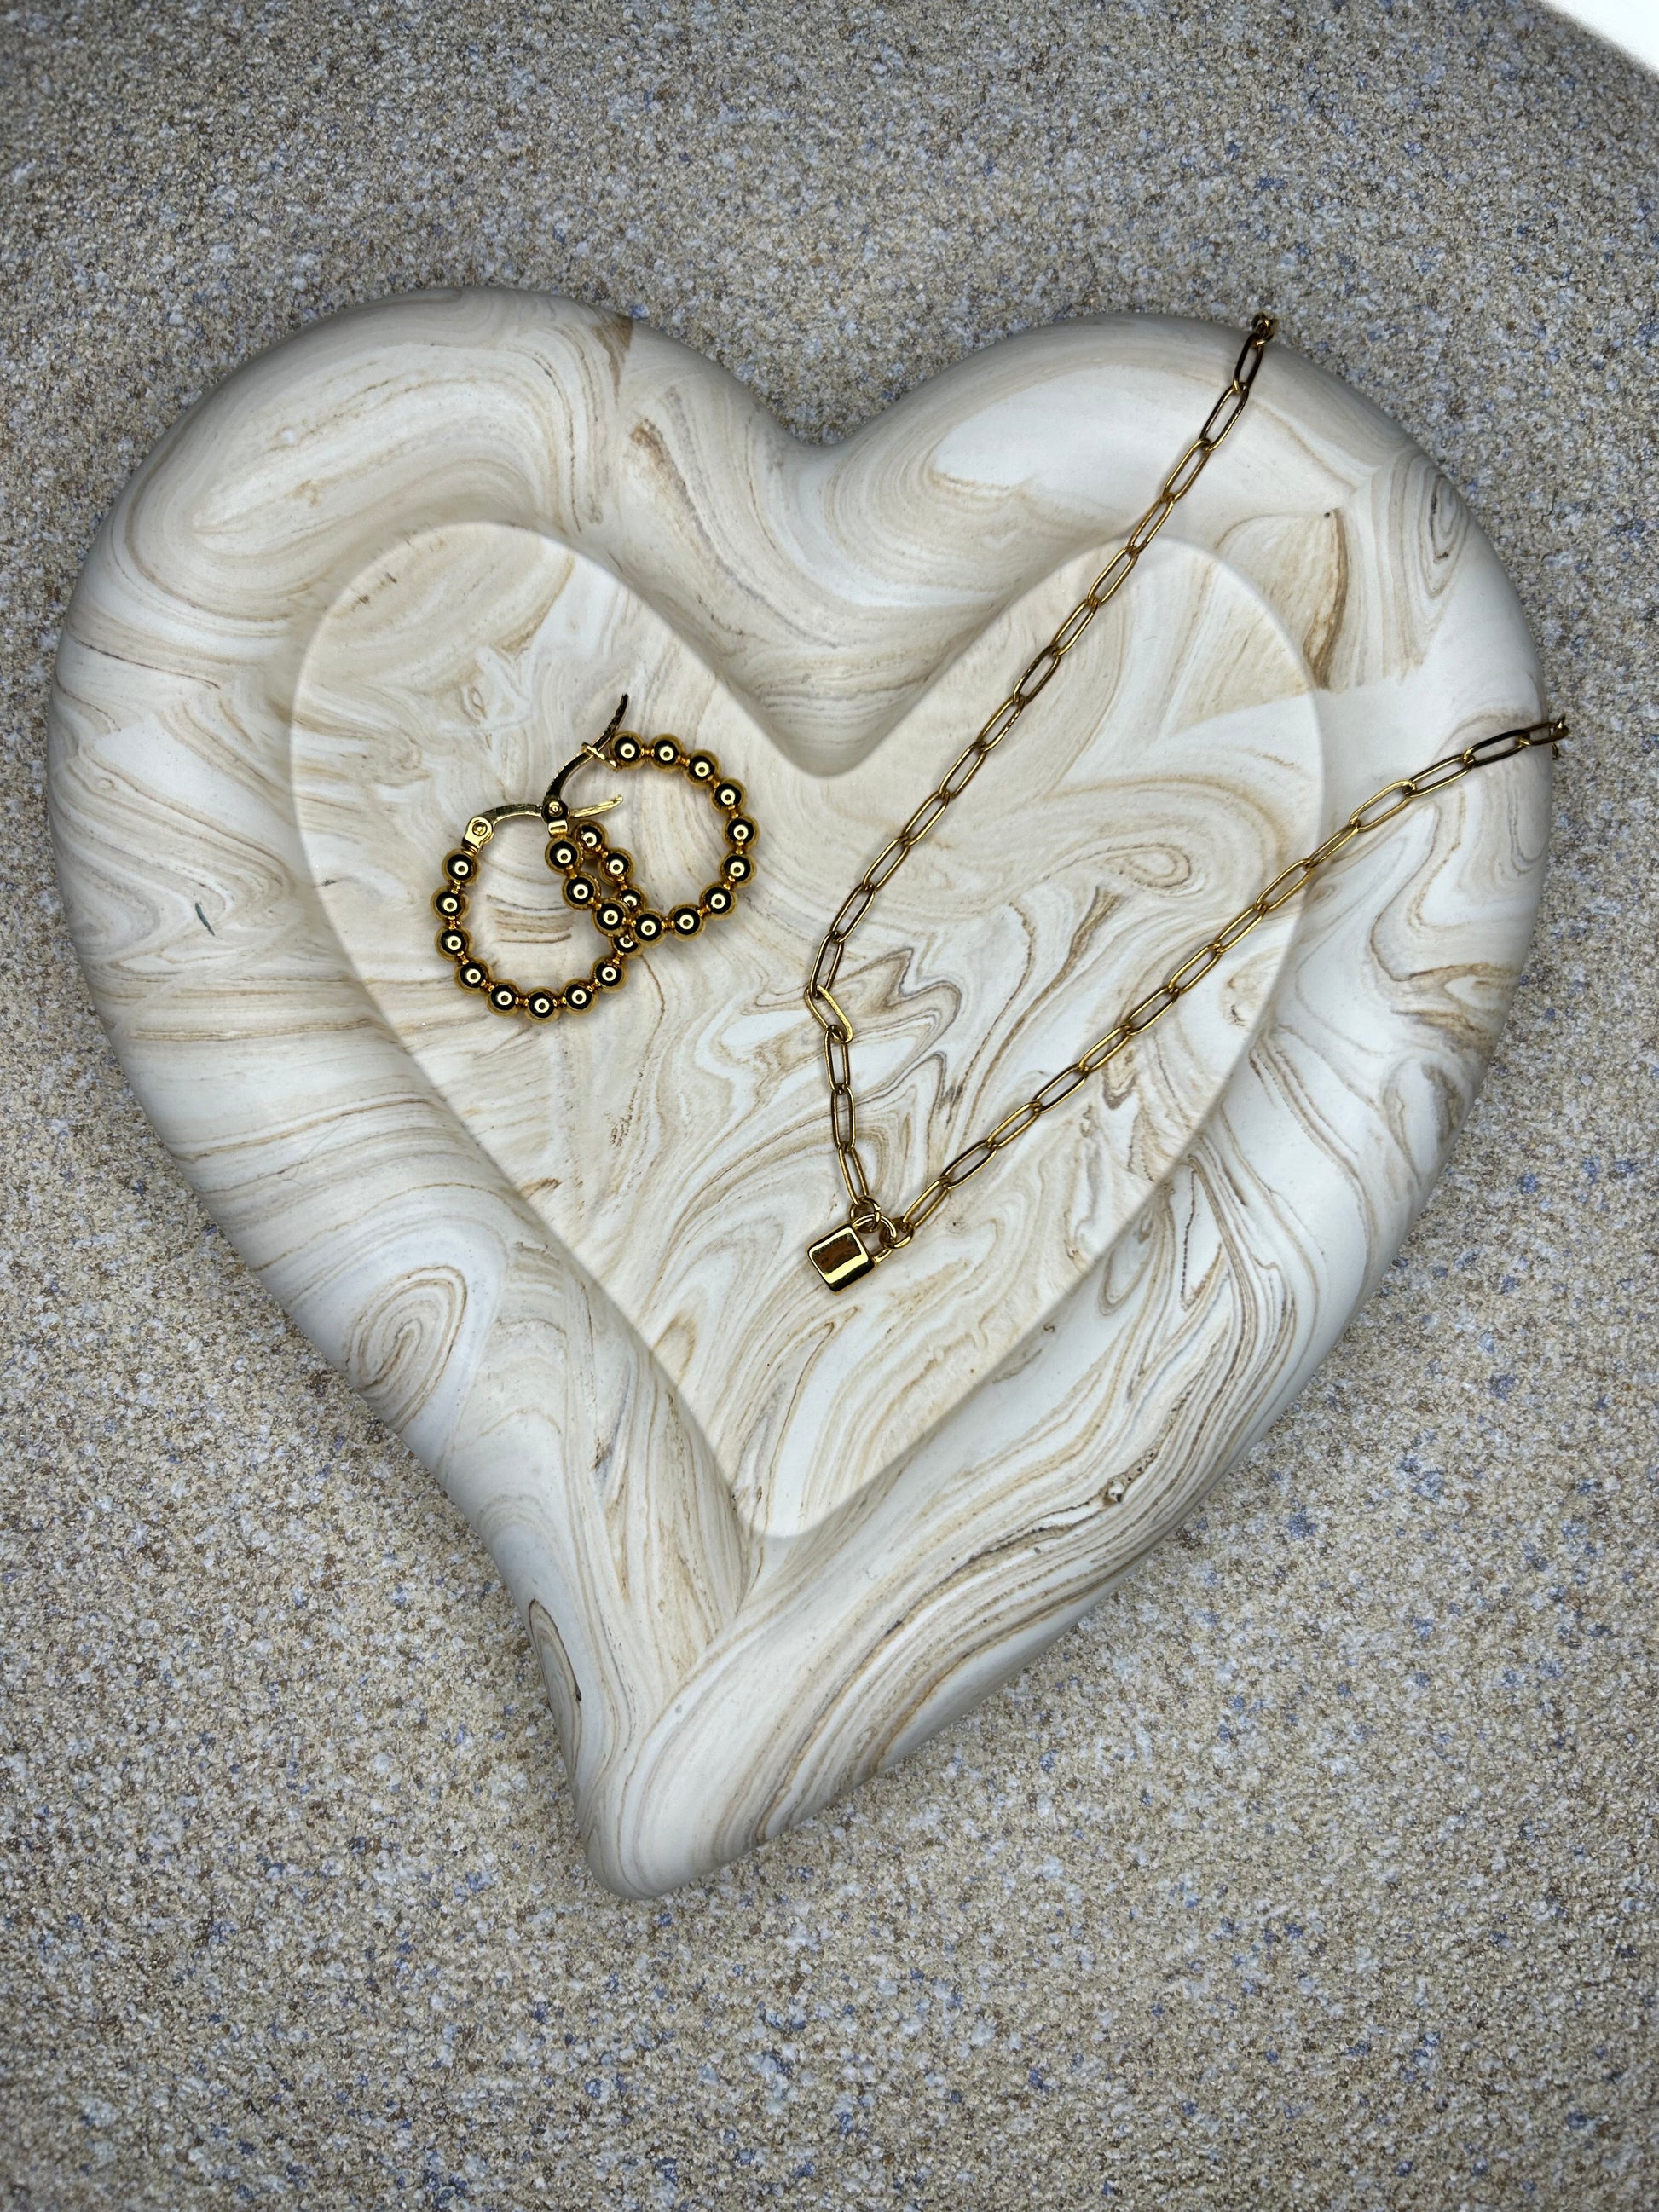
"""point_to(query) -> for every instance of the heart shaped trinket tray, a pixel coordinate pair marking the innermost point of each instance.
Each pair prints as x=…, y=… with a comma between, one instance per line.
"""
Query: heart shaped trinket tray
x=395, y=572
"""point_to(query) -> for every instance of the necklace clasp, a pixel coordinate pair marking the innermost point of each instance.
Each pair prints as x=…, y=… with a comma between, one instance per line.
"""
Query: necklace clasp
x=843, y=1256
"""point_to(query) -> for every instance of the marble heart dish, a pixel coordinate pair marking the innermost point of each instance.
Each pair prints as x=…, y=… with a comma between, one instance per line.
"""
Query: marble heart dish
x=395, y=572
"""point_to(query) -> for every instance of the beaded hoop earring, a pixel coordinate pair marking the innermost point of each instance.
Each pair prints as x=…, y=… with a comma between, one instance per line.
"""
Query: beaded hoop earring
x=599, y=877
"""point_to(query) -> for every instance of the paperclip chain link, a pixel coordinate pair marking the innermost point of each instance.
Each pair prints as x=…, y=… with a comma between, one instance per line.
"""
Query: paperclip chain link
x=890, y=1232
x=1382, y=807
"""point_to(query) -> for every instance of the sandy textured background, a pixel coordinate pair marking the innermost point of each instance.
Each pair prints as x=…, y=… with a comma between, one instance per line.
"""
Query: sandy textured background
x=1318, y=1867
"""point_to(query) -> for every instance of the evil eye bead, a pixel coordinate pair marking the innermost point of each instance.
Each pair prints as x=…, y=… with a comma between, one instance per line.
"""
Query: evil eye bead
x=718, y=900
x=730, y=795
x=609, y=974
x=632, y=901
x=454, y=943
x=563, y=854
x=541, y=1006
x=577, y=996
x=740, y=829
x=588, y=836
x=616, y=864
x=504, y=997
x=472, y=976
x=451, y=904
x=702, y=769
x=648, y=927
x=610, y=916
x=627, y=751
x=666, y=752
x=737, y=869
x=686, y=921
x=460, y=867
x=579, y=892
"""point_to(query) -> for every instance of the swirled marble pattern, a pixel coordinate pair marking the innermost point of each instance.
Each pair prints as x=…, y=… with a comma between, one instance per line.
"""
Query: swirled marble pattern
x=395, y=572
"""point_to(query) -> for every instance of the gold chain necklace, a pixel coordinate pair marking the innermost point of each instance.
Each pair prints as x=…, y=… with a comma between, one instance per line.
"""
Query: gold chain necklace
x=870, y=1234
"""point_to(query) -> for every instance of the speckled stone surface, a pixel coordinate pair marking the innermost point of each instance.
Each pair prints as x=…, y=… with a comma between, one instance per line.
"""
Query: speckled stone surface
x=1317, y=1867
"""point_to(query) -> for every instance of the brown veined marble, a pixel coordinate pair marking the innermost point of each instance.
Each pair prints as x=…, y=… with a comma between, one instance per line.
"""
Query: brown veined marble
x=395, y=572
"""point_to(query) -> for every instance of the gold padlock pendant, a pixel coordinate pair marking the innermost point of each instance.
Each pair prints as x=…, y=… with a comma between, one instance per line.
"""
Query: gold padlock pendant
x=842, y=1257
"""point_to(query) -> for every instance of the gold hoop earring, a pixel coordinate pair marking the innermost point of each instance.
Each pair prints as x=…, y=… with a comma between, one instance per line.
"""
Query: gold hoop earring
x=597, y=875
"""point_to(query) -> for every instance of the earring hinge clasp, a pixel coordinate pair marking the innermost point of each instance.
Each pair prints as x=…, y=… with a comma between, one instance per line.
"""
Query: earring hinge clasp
x=553, y=807
x=482, y=827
